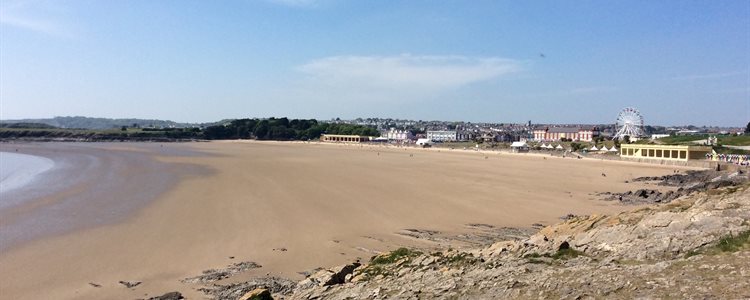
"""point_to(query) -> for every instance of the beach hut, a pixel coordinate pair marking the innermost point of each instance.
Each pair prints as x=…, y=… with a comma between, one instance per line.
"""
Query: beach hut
x=593, y=148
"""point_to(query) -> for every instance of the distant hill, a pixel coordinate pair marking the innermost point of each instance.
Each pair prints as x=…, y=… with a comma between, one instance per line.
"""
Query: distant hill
x=101, y=123
x=26, y=125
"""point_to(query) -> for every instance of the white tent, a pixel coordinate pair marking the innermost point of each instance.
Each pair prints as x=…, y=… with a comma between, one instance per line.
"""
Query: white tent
x=424, y=142
x=593, y=148
x=604, y=148
x=519, y=147
x=613, y=149
x=549, y=146
x=559, y=147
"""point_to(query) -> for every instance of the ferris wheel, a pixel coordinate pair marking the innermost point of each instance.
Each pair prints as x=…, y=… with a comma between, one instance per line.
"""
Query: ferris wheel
x=629, y=123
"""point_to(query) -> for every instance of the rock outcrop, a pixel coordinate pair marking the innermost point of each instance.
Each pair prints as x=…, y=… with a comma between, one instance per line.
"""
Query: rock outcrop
x=675, y=250
x=691, y=182
x=257, y=294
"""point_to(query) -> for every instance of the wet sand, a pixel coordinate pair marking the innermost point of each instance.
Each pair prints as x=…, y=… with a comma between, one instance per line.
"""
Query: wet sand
x=325, y=204
x=88, y=185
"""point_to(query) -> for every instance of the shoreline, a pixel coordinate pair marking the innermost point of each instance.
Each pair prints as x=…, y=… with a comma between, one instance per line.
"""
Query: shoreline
x=323, y=205
x=19, y=170
x=73, y=195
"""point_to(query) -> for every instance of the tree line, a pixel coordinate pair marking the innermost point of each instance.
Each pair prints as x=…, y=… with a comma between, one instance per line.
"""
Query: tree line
x=282, y=129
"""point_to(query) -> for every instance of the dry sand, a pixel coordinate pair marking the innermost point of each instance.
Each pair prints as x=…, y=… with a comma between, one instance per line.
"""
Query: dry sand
x=326, y=204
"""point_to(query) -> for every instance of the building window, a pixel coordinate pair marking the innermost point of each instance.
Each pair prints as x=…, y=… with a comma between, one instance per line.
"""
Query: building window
x=683, y=154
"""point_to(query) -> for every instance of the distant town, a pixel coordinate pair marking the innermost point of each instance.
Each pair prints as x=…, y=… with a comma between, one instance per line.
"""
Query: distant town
x=445, y=131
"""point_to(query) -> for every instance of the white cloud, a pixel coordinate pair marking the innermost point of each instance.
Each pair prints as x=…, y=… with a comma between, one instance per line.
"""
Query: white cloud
x=407, y=72
x=36, y=16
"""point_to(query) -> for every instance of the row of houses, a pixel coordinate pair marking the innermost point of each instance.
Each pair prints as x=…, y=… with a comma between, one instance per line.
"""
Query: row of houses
x=637, y=152
x=546, y=134
x=575, y=134
x=451, y=135
x=401, y=136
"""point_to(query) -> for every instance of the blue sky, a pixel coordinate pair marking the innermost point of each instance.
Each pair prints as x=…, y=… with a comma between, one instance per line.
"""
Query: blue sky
x=678, y=62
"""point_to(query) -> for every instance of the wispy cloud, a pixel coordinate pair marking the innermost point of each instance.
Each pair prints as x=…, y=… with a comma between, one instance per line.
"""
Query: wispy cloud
x=36, y=16
x=710, y=76
x=407, y=72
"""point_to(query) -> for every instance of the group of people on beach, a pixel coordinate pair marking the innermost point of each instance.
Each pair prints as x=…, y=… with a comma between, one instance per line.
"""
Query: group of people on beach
x=739, y=159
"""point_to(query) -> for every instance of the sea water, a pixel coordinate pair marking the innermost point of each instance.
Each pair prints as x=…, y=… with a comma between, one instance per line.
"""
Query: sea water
x=18, y=170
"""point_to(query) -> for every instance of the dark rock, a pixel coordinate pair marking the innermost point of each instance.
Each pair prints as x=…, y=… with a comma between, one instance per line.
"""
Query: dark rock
x=216, y=275
x=563, y=246
x=130, y=284
x=168, y=296
x=336, y=275
x=568, y=217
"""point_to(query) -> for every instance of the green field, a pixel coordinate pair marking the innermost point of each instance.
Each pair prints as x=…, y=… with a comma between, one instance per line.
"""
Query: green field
x=731, y=140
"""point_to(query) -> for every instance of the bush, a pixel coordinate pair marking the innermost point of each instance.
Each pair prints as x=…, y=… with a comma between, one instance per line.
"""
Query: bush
x=566, y=253
x=732, y=243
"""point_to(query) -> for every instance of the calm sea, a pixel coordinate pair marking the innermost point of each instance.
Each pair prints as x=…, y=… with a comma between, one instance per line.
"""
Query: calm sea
x=17, y=170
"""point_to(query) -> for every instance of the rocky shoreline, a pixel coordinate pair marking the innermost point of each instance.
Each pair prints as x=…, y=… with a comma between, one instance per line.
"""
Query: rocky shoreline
x=688, y=183
x=693, y=243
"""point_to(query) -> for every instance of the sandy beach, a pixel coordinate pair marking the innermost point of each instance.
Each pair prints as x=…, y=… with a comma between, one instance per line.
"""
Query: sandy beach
x=198, y=204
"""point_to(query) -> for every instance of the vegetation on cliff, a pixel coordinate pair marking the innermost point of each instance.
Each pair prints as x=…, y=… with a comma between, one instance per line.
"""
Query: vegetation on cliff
x=282, y=129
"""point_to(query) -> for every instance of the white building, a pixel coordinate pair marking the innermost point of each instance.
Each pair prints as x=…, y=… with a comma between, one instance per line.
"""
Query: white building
x=448, y=135
x=397, y=135
x=571, y=133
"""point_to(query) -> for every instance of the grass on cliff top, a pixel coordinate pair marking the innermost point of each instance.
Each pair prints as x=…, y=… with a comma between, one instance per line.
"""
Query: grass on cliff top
x=562, y=254
x=728, y=243
x=732, y=243
x=394, y=256
x=725, y=150
x=566, y=253
x=378, y=263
